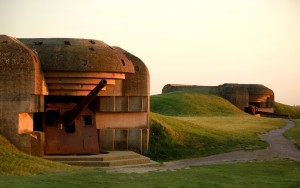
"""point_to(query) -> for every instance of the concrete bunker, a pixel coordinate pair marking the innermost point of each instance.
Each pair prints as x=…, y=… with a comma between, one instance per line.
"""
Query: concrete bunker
x=246, y=97
x=43, y=78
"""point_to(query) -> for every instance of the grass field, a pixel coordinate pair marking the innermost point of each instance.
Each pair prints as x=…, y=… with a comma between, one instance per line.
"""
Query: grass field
x=280, y=173
x=184, y=137
x=294, y=133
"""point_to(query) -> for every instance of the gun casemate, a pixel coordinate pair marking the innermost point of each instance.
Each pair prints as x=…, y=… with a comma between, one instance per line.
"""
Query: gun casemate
x=72, y=96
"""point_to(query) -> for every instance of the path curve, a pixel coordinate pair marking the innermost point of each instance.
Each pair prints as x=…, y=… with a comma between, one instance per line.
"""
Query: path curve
x=279, y=147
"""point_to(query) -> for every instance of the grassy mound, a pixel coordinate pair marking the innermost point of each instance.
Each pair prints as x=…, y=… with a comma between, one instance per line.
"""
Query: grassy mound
x=192, y=104
x=293, y=112
x=191, y=124
x=185, y=137
x=16, y=163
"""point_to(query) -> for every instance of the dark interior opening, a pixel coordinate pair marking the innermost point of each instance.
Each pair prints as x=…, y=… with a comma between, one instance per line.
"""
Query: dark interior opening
x=70, y=128
x=88, y=120
x=38, y=121
x=52, y=117
x=254, y=104
x=38, y=43
x=67, y=42
x=123, y=62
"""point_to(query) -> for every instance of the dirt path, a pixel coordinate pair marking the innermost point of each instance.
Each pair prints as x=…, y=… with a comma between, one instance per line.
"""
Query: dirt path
x=280, y=147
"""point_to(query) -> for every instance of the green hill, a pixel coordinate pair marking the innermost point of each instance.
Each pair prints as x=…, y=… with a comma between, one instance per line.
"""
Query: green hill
x=292, y=111
x=16, y=163
x=192, y=104
x=190, y=124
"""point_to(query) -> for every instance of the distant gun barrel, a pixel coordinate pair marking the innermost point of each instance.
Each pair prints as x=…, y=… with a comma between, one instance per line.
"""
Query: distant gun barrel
x=275, y=115
x=254, y=110
x=70, y=116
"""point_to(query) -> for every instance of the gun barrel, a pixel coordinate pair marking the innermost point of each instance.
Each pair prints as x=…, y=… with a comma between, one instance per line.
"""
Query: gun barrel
x=70, y=116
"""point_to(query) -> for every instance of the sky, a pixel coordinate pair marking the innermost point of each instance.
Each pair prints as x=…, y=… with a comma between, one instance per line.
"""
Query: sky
x=198, y=42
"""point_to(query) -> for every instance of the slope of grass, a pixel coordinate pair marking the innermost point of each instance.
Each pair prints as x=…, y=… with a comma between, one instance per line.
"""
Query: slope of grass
x=185, y=137
x=278, y=173
x=16, y=163
x=294, y=133
x=192, y=104
x=191, y=124
x=292, y=111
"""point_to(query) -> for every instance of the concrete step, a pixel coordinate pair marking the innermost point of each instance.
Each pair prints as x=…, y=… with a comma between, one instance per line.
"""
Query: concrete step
x=113, y=163
x=150, y=164
x=111, y=159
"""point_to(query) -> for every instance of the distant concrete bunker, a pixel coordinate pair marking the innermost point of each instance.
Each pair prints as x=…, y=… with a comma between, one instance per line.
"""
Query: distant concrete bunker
x=44, y=79
x=251, y=98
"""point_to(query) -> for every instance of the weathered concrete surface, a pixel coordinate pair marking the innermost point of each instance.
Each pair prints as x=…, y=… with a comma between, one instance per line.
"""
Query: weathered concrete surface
x=182, y=87
x=21, y=92
x=39, y=80
x=280, y=147
x=83, y=55
x=109, y=160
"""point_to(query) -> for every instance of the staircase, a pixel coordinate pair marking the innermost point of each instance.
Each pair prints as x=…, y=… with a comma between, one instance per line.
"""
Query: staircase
x=111, y=159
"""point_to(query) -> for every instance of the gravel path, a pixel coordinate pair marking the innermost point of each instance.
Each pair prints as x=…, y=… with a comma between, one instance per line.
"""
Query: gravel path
x=280, y=147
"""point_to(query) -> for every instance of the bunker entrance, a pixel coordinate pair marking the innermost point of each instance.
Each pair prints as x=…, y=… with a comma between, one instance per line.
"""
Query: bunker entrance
x=70, y=126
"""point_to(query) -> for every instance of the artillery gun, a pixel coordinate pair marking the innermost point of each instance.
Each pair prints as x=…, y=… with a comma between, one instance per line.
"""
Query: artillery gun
x=69, y=128
x=69, y=116
x=253, y=110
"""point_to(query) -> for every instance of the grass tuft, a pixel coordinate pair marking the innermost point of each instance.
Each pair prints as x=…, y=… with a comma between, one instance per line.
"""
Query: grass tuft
x=17, y=163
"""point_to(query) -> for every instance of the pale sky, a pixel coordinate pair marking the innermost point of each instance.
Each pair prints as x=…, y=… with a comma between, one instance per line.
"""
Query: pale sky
x=200, y=42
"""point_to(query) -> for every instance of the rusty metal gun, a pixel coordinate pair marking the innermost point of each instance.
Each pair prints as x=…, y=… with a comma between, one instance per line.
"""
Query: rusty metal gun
x=70, y=116
x=253, y=110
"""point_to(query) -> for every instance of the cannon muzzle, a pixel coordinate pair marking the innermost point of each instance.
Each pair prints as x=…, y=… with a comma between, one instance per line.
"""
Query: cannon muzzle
x=69, y=116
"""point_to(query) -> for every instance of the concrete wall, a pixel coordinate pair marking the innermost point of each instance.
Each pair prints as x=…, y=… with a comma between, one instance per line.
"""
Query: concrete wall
x=21, y=91
x=178, y=87
x=237, y=94
x=123, y=121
